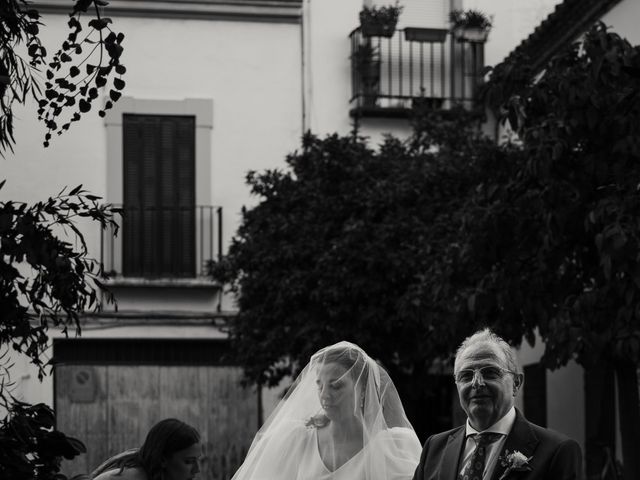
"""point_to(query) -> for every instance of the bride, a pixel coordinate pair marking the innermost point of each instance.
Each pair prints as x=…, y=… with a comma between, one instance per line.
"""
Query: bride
x=341, y=419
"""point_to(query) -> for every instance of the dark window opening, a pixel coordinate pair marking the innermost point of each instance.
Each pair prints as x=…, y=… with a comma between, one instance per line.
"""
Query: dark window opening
x=159, y=196
x=535, y=394
x=130, y=351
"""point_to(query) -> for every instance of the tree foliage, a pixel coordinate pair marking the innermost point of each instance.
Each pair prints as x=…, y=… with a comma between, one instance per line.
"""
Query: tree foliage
x=341, y=242
x=571, y=267
x=408, y=248
x=46, y=276
x=30, y=446
x=574, y=208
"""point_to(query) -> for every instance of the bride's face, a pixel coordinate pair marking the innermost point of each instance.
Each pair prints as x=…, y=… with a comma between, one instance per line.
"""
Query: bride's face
x=336, y=391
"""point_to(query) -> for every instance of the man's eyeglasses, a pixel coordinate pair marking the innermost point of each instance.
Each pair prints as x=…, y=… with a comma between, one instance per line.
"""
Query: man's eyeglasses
x=487, y=373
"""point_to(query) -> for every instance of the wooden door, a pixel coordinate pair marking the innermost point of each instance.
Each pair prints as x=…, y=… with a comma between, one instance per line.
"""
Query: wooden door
x=111, y=407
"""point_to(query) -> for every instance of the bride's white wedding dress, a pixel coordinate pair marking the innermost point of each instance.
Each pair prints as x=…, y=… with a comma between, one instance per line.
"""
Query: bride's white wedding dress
x=287, y=447
x=397, y=446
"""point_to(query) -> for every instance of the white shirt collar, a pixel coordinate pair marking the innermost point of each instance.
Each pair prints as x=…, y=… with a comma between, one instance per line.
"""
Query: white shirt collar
x=502, y=426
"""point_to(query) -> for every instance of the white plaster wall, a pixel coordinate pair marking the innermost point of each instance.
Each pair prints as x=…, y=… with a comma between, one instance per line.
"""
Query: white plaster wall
x=512, y=23
x=327, y=25
x=515, y=21
x=565, y=401
x=251, y=71
x=623, y=19
x=565, y=392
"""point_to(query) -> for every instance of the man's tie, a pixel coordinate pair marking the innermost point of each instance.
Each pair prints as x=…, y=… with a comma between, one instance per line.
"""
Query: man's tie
x=475, y=466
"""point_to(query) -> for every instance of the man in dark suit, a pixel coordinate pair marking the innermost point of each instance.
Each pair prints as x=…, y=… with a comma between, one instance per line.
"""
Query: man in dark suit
x=497, y=442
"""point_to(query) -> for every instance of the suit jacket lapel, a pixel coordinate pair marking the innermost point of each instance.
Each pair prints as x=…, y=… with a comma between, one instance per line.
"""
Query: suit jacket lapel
x=520, y=438
x=451, y=455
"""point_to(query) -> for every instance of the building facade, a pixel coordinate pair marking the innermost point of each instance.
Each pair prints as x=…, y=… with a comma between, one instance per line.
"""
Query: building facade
x=213, y=89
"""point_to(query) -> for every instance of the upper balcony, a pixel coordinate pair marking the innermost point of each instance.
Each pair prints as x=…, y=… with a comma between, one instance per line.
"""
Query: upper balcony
x=390, y=75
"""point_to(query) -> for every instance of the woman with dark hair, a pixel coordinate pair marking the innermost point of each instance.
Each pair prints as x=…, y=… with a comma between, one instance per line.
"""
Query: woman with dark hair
x=170, y=452
x=341, y=419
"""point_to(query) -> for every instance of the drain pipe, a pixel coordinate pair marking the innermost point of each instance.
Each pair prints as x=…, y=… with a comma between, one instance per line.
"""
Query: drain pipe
x=305, y=53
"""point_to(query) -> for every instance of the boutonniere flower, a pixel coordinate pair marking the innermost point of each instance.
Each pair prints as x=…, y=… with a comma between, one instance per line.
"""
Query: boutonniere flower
x=515, y=461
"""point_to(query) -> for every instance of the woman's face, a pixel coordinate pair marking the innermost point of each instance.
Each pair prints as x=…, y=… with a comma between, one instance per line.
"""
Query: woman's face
x=336, y=391
x=183, y=464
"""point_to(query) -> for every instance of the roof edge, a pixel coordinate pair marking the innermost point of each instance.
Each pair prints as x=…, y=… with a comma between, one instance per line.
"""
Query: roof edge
x=275, y=11
x=565, y=24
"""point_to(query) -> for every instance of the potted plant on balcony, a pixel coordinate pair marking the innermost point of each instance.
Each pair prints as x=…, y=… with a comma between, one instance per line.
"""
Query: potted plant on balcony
x=470, y=25
x=379, y=21
x=366, y=62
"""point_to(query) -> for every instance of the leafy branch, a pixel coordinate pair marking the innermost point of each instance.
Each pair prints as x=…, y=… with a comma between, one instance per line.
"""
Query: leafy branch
x=65, y=92
x=46, y=279
x=65, y=89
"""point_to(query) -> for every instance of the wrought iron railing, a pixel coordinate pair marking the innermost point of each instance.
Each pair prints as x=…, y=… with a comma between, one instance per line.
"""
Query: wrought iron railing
x=163, y=242
x=415, y=65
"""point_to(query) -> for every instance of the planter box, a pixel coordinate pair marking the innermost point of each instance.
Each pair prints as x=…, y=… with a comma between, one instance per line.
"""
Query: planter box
x=378, y=30
x=431, y=35
x=473, y=34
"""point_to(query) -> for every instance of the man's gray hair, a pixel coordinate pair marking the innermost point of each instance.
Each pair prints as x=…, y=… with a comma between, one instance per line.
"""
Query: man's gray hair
x=487, y=336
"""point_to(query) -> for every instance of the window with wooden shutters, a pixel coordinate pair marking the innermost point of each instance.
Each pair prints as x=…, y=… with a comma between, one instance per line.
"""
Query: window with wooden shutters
x=159, y=196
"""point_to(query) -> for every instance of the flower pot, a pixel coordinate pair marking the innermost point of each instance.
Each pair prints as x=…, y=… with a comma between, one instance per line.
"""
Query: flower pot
x=378, y=26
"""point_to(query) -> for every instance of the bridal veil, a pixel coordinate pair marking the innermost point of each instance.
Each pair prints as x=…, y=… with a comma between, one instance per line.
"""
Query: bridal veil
x=340, y=384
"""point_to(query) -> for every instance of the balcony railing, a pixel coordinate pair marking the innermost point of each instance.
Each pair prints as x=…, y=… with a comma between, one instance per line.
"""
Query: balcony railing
x=390, y=75
x=163, y=242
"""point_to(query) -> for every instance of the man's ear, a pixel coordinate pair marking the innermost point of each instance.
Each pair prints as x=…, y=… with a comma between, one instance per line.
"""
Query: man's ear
x=518, y=382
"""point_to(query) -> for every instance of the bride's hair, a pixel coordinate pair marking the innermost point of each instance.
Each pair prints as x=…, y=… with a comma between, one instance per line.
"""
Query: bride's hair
x=353, y=361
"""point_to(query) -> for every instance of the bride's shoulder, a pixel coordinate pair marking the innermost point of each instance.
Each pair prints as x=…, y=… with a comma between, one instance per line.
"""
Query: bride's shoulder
x=290, y=431
x=398, y=435
x=401, y=432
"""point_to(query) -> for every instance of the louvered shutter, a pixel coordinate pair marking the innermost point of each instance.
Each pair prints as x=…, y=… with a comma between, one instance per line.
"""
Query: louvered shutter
x=159, y=196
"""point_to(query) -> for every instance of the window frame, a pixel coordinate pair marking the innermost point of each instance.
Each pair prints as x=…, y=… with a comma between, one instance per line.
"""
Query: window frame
x=199, y=108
